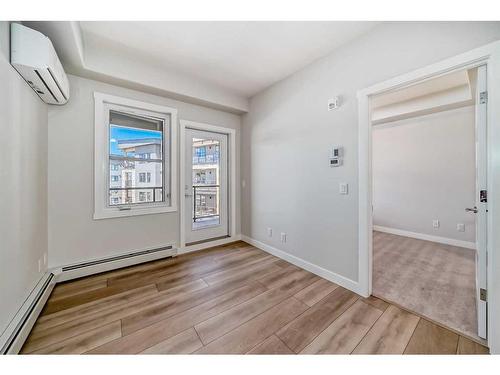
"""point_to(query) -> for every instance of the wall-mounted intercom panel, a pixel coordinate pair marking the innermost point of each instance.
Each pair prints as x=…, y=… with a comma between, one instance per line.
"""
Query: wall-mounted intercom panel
x=335, y=162
x=337, y=152
x=336, y=156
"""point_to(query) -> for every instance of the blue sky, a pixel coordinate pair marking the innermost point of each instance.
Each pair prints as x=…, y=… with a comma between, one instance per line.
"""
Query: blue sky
x=118, y=133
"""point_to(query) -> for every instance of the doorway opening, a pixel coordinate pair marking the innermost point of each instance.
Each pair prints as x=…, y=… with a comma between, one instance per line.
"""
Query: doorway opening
x=428, y=182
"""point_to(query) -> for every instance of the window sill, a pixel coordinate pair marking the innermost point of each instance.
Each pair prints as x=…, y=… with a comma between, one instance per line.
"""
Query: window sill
x=109, y=213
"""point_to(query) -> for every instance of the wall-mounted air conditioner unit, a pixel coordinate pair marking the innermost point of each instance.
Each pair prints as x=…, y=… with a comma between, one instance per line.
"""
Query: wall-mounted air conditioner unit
x=33, y=56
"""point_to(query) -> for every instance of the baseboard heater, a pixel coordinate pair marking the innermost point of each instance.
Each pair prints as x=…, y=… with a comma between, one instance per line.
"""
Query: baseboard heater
x=118, y=261
x=112, y=259
x=15, y=341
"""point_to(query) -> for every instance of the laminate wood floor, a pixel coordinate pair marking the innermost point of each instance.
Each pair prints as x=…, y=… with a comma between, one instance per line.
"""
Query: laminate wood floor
x=228, y=299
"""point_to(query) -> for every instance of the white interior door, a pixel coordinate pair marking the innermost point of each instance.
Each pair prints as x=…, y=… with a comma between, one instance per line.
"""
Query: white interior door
x=206, y=185
x=480, y=209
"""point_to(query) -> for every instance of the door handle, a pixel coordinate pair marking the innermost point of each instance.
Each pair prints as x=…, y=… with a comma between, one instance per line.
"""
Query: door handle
x=472, y=210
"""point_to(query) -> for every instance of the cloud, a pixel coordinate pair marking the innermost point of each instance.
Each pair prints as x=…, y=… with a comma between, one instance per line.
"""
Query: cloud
x=113, y=140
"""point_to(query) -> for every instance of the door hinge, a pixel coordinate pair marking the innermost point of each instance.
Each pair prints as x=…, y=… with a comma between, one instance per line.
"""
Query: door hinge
x=483, y=295
x=483, y=196
x=483, y=97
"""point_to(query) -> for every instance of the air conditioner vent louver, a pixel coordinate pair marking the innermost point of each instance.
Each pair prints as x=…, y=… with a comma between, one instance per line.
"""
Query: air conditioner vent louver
x=46, y=86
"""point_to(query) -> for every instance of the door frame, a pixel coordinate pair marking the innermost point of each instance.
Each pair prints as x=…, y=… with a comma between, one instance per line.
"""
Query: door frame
x=231, y=149
x=488, y=55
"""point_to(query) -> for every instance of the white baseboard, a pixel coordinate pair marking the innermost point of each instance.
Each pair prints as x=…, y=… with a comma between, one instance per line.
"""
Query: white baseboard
x=206, y=245
x=19, y=328
x=426, y=237
x=313, y=268
x=64, y=275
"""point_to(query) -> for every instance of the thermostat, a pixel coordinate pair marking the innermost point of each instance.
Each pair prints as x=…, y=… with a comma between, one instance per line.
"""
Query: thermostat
x=337, y=152
x=336, y=156
x=335, y=162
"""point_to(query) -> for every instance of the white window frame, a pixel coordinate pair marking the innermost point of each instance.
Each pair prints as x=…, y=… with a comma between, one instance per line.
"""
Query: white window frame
x=102, y=210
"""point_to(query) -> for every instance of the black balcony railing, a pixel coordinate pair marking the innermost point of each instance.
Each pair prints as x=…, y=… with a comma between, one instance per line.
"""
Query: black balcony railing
x=205, y=201
x=157, y=192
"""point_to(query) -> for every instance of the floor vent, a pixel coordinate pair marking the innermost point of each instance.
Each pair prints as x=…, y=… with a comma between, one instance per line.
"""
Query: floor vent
x=113, y=259
x=19, y=328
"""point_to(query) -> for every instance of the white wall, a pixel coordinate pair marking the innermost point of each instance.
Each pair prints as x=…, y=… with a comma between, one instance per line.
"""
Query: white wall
x=288, y=134
x=23, y=186
x=424, y=169
x=73, y=235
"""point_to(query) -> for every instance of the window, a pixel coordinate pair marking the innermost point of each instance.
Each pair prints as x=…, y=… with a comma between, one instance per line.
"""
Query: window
x=135, y=141
x=145, y=177
x=201, y=152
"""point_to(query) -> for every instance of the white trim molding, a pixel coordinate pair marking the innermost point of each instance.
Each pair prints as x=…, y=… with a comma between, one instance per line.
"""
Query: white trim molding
x=426, y=237
x=488, y=55
x=304, y=264
x=103, y=103
x=231, y=133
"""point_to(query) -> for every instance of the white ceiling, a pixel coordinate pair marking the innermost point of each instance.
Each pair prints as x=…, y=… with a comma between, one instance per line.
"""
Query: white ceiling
x=215, y=64
x=245, y=57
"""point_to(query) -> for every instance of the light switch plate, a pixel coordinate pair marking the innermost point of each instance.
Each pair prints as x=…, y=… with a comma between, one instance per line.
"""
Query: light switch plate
x=461, y=227
x=344, y=188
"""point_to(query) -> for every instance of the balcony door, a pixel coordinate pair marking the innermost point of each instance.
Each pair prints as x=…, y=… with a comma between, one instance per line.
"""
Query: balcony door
x=206, y=186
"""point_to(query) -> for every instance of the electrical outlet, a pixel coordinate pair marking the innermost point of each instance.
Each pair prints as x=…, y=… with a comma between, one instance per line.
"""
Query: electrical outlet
x=435, y=223
x=461, y=227
x=269, y=232
x=283, y=237
x=39, y=265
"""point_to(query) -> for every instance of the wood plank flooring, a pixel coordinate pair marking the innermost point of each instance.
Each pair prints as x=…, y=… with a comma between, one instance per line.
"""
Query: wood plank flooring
x=232, y=299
